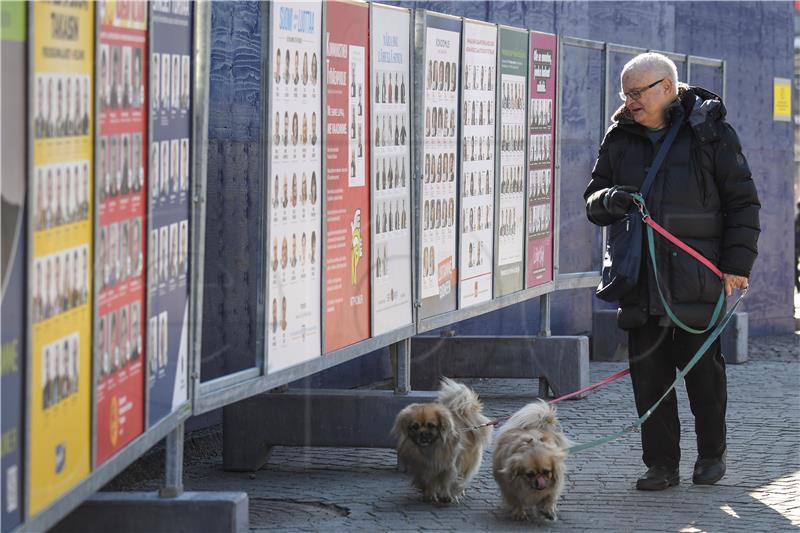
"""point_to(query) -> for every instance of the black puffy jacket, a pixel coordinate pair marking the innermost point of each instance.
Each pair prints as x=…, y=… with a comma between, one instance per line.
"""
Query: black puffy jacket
x=703, y=193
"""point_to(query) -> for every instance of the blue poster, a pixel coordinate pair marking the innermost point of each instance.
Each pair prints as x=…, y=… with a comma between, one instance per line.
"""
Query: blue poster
x=168, y=243
x=12, y=268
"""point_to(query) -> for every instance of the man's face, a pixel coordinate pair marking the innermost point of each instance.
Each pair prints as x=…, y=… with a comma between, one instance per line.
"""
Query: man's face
x=648, y=109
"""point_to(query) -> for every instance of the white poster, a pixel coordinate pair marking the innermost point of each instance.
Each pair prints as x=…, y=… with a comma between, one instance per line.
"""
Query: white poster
x=511, y=228
x=438, y=231
x=295, y=189
x=391, y=169
x=477, y=165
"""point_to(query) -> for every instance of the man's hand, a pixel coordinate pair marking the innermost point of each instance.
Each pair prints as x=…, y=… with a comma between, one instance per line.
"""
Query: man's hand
x=618, y=200
x=733, y=281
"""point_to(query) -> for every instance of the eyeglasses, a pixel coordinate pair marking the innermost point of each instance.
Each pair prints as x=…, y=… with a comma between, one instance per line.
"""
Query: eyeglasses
x=635, y=94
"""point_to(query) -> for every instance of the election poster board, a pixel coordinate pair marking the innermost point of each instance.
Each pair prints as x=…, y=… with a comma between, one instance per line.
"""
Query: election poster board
x=347, y=183
x=510, y=223
x=13, y=95
x=121, y=215
x=170, y=101
x=476, y=203
x=438, y=164
x=60, y=229
x=391, y=168
x=295, y=190
x=541, y=157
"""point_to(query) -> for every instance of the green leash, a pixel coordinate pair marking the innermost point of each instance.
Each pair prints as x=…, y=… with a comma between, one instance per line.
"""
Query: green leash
x=692, y=362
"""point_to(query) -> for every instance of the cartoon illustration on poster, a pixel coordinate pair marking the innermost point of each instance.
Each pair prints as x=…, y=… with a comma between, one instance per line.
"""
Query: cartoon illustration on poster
x=347, y=242
x=13, y=88
x=509, y=230
x=168, y=190
x=439, y=161
x=295, y=191
x=477, y=163
x=60, y=229
x=391, y=169
x=541, y=157
x=121, y=211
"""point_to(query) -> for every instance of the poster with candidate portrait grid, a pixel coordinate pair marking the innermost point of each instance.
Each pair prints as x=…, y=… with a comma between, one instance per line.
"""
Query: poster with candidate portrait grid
x=439, y=60
x=120, y=235
x=391, y=171
x=476, y=201
x=168, y=189
x=13, y=87
x=541, y=157
x=295, y=189
x=512, y=163
x=60, y=222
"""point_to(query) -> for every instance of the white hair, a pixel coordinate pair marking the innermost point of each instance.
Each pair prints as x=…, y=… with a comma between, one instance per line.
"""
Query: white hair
x=659, y=64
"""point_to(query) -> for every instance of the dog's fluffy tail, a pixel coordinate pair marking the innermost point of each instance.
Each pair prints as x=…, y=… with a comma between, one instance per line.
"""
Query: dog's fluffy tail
x=462, y=401
x=539, y=416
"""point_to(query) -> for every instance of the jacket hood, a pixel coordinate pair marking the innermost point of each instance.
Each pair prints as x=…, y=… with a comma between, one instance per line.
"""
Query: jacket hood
x=701, y=107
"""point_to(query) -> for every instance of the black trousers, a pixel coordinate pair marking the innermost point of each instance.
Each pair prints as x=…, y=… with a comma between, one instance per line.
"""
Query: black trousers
x=655, y=352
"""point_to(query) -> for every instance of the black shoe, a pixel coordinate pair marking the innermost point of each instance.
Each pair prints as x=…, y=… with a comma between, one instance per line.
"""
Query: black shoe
x=658, y=478
x=708, y=471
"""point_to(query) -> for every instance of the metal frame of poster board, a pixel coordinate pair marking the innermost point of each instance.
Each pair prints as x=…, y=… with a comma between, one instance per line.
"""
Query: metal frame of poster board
x=411, y=133
x=421, y=17
x=173, y=422
x=496, y=278
x=459, y=175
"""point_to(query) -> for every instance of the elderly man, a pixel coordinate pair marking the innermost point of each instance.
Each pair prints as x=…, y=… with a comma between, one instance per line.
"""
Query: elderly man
x=704, y=194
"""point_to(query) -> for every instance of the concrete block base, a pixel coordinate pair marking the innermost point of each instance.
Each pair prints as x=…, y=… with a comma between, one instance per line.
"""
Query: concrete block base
x=134, y=512
x=563, y=362
x=609, y=343
x=336, y=418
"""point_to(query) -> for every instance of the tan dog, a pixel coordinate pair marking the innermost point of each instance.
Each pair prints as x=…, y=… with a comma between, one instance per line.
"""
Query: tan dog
x=528, y=461
x=437, y=446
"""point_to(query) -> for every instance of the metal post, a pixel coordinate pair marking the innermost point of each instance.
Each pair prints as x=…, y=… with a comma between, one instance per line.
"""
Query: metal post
x=401, y=356
x=173, y=468
x=544, y=315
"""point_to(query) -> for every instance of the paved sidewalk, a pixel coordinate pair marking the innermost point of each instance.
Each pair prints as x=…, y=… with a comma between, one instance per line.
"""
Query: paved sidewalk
x=350, y=489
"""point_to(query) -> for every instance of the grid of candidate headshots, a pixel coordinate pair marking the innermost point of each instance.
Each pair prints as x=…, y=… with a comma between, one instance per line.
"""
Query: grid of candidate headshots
x=307, y=135
x=540, y=183
x=158, y=343
x=120, y=82
x=303, y=193
x=512, y=138
x=390, y=216
x=539, y=219
x=440, y=168
x=513, y=94
x=541, y=113
x=479, y=148
x=60, y=370
x=511, y=179
x=478, y=113
x=390, y=88
x=441, y=76
x=391, y=176
x=438, y=213
x=170, y=81
x=541, y=148
x=478, y=78
x=61, y=194
x=476, y=183
x=120, y=165
x=119, y=252
x=477, y=218
x=59, y=282
x=304, y=251
x=440, y=122
x=169, y=168
x=288, y=68
x=61, y=106
x=390, y=129
x=168, y=250
x=119, y=338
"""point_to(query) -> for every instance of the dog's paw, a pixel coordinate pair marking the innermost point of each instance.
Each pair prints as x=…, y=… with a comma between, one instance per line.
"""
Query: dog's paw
x=519, y=514
x=549, y=514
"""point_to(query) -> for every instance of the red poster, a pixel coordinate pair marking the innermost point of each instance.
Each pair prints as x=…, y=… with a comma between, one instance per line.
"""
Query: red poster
x=541, y=157
x=347, y=202
x=121, y=222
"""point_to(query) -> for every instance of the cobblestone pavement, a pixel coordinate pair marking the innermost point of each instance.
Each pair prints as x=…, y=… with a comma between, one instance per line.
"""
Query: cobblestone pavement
x=350, y=489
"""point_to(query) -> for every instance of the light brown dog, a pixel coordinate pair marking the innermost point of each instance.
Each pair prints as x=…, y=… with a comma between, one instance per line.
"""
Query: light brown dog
x=528, y=461
x=436, y=442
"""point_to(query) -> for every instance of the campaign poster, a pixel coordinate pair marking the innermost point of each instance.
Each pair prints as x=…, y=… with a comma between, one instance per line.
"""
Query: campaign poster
x=170, y=140
x=391, y=168
x=60, y=254
x=13, y=87
x=121, y=231
x=541, y=157
x=347, y=209
x=476, y=204
x=438, y=85
x=295, y=191
x=510, y=224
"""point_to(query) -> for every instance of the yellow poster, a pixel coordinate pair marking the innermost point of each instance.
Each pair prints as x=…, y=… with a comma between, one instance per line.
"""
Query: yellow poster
x=60, y=283
x=782, y=101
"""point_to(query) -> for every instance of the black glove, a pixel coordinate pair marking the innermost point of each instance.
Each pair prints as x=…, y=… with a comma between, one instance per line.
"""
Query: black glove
x=618, y=200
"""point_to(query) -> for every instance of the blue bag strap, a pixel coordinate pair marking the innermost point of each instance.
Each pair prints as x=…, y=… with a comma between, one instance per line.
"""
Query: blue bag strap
x=660, y=156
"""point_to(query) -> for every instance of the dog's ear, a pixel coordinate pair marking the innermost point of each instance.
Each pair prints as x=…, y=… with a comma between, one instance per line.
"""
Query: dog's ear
x=401, y=421
x=447, y=427
x=513, y=468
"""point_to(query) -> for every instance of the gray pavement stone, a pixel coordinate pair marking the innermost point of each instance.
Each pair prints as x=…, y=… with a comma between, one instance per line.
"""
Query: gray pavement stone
x=316, y=489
